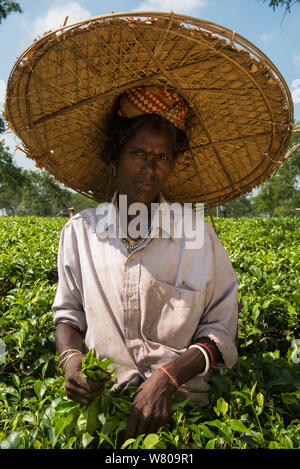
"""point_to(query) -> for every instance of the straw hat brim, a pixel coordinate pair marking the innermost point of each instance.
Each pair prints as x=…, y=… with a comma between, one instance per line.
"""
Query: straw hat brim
x=64, y=85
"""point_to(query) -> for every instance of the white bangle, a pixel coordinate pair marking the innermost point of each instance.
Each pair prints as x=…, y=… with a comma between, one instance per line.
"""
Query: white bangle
x=207, y=362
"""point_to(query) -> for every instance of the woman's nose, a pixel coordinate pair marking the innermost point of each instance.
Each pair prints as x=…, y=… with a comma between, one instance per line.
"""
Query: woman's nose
x=149, y=161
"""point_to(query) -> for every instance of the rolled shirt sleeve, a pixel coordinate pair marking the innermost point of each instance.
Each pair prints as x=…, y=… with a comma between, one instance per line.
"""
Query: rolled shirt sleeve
x=67, y=306
x=220, y=316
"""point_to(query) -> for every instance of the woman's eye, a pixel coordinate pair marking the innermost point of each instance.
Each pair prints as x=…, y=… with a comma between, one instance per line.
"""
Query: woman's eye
x=143, y=154
x=163, y=156
x=138, y=153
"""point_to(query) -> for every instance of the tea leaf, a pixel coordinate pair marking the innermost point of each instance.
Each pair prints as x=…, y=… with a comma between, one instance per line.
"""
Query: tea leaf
x=150, y=441
x=238, y=426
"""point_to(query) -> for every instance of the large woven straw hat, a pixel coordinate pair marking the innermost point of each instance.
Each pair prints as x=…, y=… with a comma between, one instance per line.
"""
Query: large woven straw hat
x=65, y=84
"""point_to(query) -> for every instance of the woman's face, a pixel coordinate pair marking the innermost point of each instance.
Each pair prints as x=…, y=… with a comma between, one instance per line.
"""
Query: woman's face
x=145, y=163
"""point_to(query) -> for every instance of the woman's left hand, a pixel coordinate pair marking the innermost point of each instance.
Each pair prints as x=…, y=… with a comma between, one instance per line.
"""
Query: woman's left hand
x=151, y=405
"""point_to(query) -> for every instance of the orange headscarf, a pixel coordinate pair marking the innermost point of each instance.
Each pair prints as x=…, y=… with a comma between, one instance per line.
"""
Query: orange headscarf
x=154, y=100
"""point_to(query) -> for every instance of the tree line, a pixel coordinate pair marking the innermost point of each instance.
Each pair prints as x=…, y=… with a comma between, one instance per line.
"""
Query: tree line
x=278, y=196
x=29, y=192
x=26, y=192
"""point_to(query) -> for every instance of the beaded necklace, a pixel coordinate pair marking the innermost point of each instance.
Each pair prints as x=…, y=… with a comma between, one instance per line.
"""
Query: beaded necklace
x=137, y=245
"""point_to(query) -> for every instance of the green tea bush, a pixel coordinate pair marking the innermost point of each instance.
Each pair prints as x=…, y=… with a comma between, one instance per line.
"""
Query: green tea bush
x=254, y=405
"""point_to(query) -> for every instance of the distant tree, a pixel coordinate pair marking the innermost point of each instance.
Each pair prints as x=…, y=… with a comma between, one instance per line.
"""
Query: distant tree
x=24, y=192
x=282, y=3
x=240, y=207
x=11, y=181
x=80, y=202
x=7, y=7
x=41, y=196
x=280, y=194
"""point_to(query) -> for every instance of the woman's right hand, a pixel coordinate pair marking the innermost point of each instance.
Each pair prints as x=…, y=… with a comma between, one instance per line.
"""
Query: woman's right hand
x=78, y=388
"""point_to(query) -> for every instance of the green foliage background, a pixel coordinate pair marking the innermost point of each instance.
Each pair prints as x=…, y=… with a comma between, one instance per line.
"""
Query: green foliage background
x=255, y=405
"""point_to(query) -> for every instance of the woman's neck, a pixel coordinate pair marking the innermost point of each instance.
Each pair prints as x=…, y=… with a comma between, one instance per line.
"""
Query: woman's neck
x=144, y=215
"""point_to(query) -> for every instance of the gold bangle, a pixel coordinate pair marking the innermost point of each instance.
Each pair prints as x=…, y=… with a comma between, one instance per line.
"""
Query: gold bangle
x=67, y=358
x=69, y=350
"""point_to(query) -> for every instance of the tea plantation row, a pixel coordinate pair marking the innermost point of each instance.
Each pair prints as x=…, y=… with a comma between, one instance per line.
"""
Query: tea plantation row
x=255, y=405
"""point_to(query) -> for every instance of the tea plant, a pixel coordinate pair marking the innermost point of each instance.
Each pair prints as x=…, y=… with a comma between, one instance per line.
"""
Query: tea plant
x=254, y=405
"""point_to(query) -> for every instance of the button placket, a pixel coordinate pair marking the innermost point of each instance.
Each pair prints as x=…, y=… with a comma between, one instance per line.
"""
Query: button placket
x=131, y=304
x=132, y=312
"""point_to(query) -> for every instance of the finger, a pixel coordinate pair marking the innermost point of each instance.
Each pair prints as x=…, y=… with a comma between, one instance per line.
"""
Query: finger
x=79, y=397
x=93, y=386
x=103, y=371
x=107, y=378
x=161, y=424
x=155, y=422
x=145, y=425
x=87, y=385
x=158, y=424
x=79, y=389
x=163, y=418
x=147, y=421
x=132, y=423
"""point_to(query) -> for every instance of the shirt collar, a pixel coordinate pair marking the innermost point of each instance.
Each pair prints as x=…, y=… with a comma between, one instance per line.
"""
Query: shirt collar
x=163, y=225
x=164, y=221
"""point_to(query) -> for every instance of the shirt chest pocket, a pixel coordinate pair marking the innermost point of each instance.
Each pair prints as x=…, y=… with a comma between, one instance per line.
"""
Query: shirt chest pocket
x=172, y=315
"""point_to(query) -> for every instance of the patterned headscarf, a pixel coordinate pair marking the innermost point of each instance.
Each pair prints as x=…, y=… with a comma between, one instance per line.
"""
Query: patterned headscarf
x=154, y=100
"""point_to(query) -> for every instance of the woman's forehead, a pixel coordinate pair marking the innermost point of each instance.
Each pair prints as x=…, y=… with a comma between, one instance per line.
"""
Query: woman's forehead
x=151, y=133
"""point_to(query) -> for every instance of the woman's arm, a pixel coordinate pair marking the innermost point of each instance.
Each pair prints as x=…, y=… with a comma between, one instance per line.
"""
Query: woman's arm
x=152, y=402
x=69, y=318
x=192, y=362
x=216, y=328
x=67, y=337
x=78, y=389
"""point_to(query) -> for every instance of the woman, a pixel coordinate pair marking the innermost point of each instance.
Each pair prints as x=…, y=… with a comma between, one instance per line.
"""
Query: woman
x=164, y=311
x=144, y=304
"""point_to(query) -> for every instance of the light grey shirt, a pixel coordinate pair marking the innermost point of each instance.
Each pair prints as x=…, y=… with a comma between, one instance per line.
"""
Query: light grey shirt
x=146, y=308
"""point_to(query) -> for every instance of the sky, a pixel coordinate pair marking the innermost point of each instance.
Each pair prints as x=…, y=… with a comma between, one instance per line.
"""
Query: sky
x=273, y=32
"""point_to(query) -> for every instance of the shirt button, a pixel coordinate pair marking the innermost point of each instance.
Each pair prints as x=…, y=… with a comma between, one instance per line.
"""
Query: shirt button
x=129, y=293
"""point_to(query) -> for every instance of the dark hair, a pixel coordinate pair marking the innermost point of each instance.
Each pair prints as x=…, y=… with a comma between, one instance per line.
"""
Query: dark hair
x=121, y=129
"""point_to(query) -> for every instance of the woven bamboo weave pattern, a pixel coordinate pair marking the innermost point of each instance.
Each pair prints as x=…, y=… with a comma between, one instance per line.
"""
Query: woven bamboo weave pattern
x=240, y=118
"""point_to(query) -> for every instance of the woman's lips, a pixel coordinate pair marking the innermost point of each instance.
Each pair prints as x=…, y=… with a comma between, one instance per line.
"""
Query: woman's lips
x=145, y=185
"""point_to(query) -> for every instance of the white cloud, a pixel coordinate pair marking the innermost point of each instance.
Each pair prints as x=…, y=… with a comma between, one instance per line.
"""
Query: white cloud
x=55, y=18
x=2, y=93
x=266, y=38
x=178, y=6
x=296, y=90
x=11, y=141
x=296, y=83
x=296, y=58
